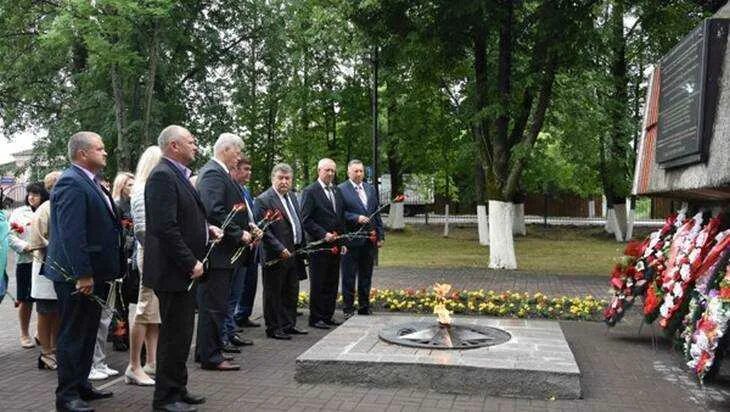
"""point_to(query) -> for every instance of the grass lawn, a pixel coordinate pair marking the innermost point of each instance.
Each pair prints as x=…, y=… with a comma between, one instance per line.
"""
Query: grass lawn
x=555, y=250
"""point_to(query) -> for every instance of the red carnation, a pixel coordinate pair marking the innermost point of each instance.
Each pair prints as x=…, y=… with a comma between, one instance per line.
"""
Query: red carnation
x=373, y=237
x=651, y=301
x=399, y=198
x=335, y=250
x=120, y=328
x=634, y=248
x=15, y=227
x=127, y=223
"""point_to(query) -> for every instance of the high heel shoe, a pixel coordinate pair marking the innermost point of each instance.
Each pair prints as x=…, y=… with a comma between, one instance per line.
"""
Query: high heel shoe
x=47, y=362
x=131, y=379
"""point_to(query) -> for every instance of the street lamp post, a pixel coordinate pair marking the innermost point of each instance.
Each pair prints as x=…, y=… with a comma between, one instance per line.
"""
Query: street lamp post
x=374, y=109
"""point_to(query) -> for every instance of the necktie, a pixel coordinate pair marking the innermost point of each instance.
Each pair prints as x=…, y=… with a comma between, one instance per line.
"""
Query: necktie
x=249, y=204
x=294, y=219
x=331, y=197
x=361, y=194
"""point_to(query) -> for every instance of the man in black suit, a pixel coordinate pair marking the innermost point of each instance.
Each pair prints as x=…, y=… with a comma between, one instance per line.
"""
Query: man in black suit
x=360, y=201
x=323, y=217
x=83, y=254
x=177, y=232
x=280, y=241
x=220, y=194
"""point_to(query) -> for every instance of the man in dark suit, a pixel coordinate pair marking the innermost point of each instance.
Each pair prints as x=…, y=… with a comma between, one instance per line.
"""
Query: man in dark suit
x=174, y=249
x=220, y=194
x=360, y=201
x=245, y=279
x=323, y=217
x=280, y=241
x=83, y=254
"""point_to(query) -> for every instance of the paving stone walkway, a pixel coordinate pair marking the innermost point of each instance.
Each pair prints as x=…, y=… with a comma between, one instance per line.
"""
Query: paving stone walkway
x=620, y=370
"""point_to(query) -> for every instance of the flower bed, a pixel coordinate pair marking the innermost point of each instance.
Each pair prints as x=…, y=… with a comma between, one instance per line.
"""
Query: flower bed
x=481, y=302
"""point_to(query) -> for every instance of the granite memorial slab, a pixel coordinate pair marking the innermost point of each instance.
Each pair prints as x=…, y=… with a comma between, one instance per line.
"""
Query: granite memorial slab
x=534, y=361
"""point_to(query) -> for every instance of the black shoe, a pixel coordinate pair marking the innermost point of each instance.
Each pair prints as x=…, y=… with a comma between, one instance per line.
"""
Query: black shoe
x=191, y=399
x=332, y=322
x=295, y=331
x=95, y=394
x=348, y=315
x=247, y=323
x=239, y=341
x=319, y=325
x=176, y=407
x=224, y=366
x=364, y=311
x=278, y=335
x=76, y=405
x=228, y=348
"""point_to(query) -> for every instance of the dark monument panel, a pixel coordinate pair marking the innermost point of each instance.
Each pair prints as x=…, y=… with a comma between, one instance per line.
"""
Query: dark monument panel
x=690, y=75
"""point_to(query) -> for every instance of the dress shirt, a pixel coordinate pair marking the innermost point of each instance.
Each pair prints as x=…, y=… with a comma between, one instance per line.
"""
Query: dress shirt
x=360, y=190
x=93, y=178
x=295, y=227
x=329, y=192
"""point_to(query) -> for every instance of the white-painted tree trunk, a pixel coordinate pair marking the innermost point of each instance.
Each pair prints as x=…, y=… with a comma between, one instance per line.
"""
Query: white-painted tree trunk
x=397, y=221
x=483, y=225
x=591, y=208
x=610, y=222
x=630, y=224
x=501, y=241
x=446, y=221
x=619, y=215
x=518, y=223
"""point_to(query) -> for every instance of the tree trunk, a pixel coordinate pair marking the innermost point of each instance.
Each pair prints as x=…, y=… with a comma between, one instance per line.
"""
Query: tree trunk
x=619, y=214
x=147, y=139
x=501, y=241
x=121, y=150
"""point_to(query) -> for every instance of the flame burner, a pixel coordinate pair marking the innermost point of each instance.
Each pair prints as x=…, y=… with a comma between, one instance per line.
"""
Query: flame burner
x=433, y=335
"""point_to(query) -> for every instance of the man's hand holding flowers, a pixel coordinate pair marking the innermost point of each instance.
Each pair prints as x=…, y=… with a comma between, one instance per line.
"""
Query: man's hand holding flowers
x=215, y=233
x=85, y=285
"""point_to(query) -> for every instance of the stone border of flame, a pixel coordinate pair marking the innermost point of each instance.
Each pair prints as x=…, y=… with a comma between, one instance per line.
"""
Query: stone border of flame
x=536, y=363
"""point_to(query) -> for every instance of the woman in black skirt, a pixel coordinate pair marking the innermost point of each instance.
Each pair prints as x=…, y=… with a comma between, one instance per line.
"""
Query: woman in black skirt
x=20, y=242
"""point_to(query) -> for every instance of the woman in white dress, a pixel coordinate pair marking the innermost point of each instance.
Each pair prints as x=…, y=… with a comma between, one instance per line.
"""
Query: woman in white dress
x=146, y=327
x=41, y=290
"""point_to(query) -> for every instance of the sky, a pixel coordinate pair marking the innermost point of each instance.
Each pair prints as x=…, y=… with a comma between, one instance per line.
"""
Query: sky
x=19, y=142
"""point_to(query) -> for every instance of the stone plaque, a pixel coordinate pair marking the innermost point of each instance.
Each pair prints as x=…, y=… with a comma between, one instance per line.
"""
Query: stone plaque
x=690, y=75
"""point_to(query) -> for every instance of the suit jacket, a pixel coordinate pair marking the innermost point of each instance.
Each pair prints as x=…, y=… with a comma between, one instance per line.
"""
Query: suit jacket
x=85, y=234
x=279, y=235
x=176, y=230
x=318, y=216
x=354, y=208
x=219, y=194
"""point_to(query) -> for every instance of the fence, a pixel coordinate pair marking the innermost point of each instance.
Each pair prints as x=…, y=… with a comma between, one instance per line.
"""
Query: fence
x=443, y=219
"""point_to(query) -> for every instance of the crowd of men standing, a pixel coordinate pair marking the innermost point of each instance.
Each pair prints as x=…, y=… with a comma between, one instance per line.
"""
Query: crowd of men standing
x=202, y=252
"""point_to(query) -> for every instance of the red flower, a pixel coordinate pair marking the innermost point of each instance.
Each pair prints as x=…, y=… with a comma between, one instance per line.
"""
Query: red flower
x=373, y=237
x=617, y=283
x=725, y=293
x=617, y=271
x=127, y=223
x=17, y=228
x=276, y=216
x=634, y=248
x=120, y=329
x=399, y=198
x=651, y=301
x=335, y=250
x=704, y=358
